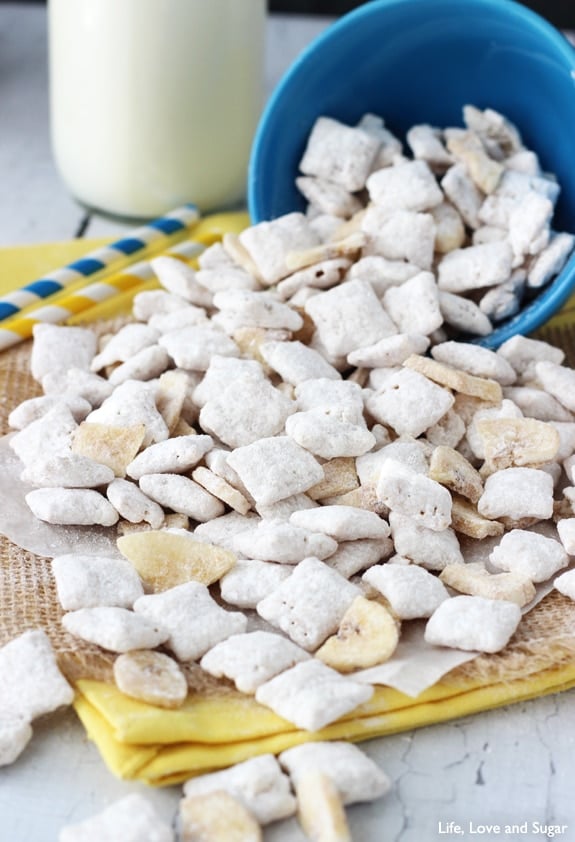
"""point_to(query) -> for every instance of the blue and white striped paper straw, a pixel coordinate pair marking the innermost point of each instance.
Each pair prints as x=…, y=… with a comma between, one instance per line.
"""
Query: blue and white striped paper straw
x=14, y=330
x=101, y=262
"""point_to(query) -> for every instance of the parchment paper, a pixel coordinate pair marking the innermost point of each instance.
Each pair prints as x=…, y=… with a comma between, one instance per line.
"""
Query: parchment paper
x=20, y=526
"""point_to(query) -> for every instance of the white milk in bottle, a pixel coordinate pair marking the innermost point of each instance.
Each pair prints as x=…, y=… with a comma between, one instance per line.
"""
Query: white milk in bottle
x=154, y=103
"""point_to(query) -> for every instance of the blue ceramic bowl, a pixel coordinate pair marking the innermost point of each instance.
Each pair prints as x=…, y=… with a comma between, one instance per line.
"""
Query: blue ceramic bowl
x=420, y=61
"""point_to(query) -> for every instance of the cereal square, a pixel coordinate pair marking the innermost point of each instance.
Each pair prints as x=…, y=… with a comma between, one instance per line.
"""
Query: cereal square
x=410, y=590
x=429, y=548
x=251, y=580
x=538, y=557
x=406, y=186
x=339, y=153
x=410, y=493
x=259, y=783
x=193, y=620
x=31, y=683
x=275, y=468
x=409, y=403
x=15, y=734
x=414, y=305
x=58, y=348
x=312, y=695
x=344, y=523
x=355, y=775
x=329, y=435
x=401, y=235
x=517, y=493
x=115, y=629
x=131, y=818
x=246, y=411
x=284, y=542
x=252, y=658
x=85, y=581
x=309, y=605
x=348, y=317
x=268, y=244
x=473, y=623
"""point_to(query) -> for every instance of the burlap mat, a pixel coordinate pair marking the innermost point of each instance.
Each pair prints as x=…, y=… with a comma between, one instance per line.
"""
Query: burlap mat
x=28, y=597
x=544, y=640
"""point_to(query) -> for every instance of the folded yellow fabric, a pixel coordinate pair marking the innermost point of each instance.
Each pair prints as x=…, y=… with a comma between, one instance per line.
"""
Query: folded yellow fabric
x=161, y=747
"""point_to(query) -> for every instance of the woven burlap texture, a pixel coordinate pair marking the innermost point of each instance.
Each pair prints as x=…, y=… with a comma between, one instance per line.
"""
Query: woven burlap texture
x=28, y=599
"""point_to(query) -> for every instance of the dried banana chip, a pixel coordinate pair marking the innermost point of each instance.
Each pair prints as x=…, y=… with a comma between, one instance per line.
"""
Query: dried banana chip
x=166, y=559
x=474, y=579
x=340, y=476
x=466, y=519
x=367, y=635
x=171, y=393
x=221, y=489
x=215, y=817
x=320, y=809
x=113, y=446
x=517, y=442
x=151, y=677
x=459, y=381
x=453, y=470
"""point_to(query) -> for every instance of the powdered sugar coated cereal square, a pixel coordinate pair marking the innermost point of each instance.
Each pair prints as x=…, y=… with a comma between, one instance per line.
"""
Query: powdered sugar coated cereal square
x=251, y=580
x=71, y=507
x=246, y=411
x=131, y=819
x=339, y=153
x=565, y=584
x=15, y=734
x=410, y=590
x=355, y=775
x=349, y=316
x=57, y=348
x=517, y=493
x=86, y=581
x=115, y=629
x=414, y=306
x=193, y=620
x=473, y=623
x=268, y=244
x=330, y=435
x=309, y=605
x=344, y=523
x=536, y=556
x=251, y=659
x=275, y=468
x=283, y=542
x=409, y=403
x=259, y=783
x=31, y=683
x=427, y=547
x=410, y=493
x=311, y=695
x=401, y=235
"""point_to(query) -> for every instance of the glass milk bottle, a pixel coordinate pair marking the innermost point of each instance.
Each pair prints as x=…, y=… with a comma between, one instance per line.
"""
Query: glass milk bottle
x=154, y=103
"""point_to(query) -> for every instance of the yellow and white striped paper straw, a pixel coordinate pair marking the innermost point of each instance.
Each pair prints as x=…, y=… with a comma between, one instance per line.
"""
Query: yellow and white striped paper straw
x=15, y=330
x=105, y=261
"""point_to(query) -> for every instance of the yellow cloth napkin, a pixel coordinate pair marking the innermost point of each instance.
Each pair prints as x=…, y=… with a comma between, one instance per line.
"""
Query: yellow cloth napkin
x=20, y=265
x=161, y=747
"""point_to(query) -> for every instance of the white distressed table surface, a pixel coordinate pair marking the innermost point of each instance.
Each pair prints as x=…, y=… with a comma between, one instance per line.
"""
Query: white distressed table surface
x=509, y=766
